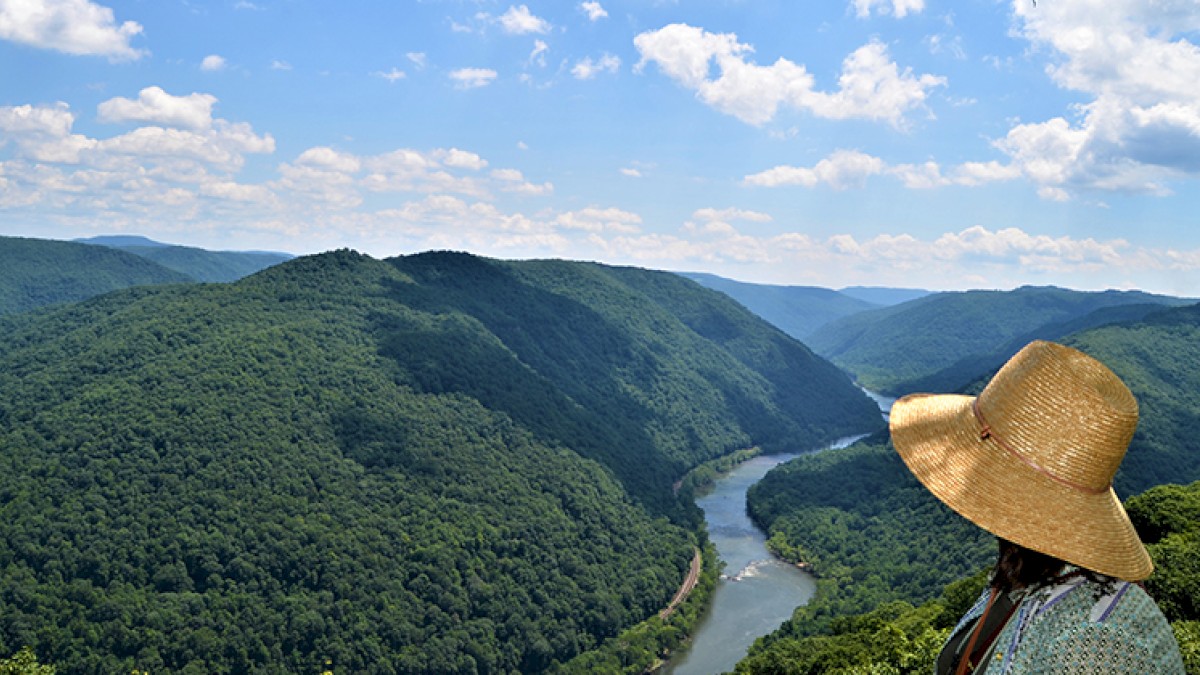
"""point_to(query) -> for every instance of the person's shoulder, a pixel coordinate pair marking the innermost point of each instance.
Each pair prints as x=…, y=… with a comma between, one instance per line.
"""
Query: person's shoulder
x=1123, y=631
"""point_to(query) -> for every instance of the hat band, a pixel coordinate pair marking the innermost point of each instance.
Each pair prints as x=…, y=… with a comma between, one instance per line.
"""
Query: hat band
x=986, y=432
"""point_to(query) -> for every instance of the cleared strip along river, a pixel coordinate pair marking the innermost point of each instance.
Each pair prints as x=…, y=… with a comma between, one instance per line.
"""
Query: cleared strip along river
x=757, y=592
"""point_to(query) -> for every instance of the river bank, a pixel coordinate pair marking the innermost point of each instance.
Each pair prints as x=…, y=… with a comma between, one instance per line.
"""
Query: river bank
x=757, y=590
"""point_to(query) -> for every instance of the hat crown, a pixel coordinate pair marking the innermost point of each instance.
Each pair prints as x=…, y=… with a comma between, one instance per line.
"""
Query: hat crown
x=1062, y=412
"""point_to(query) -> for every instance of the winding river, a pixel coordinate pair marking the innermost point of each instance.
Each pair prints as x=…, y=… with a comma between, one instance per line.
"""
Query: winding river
x=757, y=592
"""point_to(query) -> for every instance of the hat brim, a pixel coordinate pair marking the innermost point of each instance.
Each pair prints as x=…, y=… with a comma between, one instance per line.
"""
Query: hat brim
x=938, y=437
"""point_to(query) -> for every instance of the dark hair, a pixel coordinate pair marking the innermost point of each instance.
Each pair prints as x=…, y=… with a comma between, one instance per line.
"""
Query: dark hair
x=1020, y=567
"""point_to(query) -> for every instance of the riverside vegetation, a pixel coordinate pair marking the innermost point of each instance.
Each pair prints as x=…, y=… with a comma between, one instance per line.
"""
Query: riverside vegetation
x=897, y=568
x=434, y=463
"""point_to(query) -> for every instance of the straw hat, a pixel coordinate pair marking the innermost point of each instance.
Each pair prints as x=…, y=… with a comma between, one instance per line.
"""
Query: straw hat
x=1032, y=458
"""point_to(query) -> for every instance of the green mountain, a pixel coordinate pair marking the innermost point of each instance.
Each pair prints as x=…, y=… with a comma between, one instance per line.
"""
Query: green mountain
x=934, y=339
x=882, y=544
x=39, y=272
x=965, y=370
x=437, y=463
x=796, y=310
x=197, y=263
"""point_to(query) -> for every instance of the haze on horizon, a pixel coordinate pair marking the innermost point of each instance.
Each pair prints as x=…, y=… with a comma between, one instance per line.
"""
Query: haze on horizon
x=905, y=143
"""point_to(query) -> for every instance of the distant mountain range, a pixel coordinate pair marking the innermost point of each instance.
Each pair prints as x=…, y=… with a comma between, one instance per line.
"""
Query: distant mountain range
x=40, y=272
x=199, y=264
x=801, y=310
x=944, y=340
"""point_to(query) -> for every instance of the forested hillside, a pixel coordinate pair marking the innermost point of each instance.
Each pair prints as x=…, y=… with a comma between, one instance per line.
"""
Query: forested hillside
x=437, y=463
x=876, y=537
x=897, y=349
x=197, y=263
x=39, y=272
x=904, y=637
x=796, y=310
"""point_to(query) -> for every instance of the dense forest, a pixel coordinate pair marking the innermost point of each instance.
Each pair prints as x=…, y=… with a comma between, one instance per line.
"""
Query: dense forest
x=942, y=341
x=904, y=637
x=435, y=463
x=38, y=272
x=881, y=544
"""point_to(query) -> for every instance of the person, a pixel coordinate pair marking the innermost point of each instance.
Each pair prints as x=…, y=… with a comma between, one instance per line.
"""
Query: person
x=1031, y=460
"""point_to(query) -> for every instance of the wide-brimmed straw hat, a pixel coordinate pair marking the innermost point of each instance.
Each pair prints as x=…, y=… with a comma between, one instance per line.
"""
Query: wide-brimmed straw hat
x=1032, y=458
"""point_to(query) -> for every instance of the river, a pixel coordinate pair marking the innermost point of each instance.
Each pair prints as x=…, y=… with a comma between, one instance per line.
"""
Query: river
x=757, y=592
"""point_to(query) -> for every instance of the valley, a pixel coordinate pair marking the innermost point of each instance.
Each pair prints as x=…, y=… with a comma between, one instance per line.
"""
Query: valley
x=448, y=463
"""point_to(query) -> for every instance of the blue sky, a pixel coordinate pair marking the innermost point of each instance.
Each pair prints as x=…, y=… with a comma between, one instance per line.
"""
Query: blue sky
x=974, y=144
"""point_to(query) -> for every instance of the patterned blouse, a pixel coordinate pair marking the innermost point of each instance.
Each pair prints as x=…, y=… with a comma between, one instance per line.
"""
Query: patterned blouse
x=1080, y=626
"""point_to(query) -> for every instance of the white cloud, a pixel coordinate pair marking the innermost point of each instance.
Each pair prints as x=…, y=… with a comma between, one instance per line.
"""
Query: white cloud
x=631, y=172
x=595, y=219
x=55, y=121
x=897, y=8
x=193, y=111
x=518, y=20
x=460, y=159
x=1141, y=127
x=710, y=214
x=586, y=69
x=593, y=10
x=75, y=27
x=538, y=55
x=329, y=159
x=510, y=175
x=871, y=86
x=276, y=64
x=841, y=170
x=472, y=78
x=212, y=63
x=393, y=75
x=419, y=59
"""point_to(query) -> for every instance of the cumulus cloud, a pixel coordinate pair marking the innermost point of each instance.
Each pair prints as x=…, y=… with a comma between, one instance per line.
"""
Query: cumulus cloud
x=212, y=63
x=630, y=171
x=472, y=78
x=842, y=169
x=1138, y=65
x=418, y=59
x=586, y=68
x=871, y=86
x=596, y=219
x=75, y=27
x=845, y=169
x=193, y=111
x=593, y=10
x=518, y=20
x=897, y=8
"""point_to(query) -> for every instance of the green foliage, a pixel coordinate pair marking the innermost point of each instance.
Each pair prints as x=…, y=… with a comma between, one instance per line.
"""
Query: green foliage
x=430, y=464
x=645, y=646
x=1168, y=518
x=897, y=638
x=25, y=662
x=37, y=272
x=890, y=349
